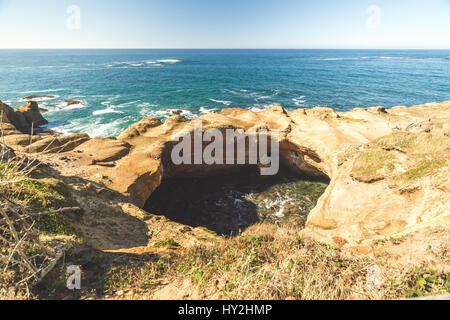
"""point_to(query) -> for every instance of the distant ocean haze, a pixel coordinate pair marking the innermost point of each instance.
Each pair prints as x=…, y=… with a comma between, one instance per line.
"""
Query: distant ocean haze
x=115, y=88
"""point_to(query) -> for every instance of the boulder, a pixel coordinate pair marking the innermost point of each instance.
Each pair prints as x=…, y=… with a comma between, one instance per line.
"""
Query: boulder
x=32, y=114
x=8, y=115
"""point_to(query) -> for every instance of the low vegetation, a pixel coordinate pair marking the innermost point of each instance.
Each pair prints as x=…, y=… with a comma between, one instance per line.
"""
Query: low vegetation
x=30, y=225
x=404, y=157
x=275, y=262
x=373, y=165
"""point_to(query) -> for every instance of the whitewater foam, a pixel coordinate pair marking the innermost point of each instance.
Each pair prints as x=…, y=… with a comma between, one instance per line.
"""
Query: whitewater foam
x=226, y=103
x=170, y=61
x=299, y=101
x=38, y=91
x=204, y=110
x=106, y=111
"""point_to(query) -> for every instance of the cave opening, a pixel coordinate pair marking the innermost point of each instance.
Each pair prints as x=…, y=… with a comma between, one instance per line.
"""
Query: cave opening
x=228, y=204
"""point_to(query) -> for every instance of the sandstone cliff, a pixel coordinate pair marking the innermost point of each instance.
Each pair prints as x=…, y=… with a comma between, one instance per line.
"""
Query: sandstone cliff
x=388, y=169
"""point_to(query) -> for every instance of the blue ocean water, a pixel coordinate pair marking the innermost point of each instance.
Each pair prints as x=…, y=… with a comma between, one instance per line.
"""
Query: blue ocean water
x=120, y=87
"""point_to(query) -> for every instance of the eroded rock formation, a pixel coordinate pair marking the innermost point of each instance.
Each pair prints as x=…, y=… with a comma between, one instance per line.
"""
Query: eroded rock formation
x=23, y=118
x=388, y=169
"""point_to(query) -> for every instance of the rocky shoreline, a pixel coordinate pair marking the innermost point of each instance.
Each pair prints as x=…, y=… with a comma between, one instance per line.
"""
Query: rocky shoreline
x=366, y=153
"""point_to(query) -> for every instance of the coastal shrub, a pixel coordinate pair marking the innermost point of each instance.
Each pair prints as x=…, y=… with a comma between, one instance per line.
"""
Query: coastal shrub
x=40, y=196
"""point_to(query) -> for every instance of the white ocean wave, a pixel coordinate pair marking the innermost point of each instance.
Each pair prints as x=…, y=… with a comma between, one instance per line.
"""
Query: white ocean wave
x=257, y=109
x=141, y=64
x=171, y=112
x=106, y=111
x=109, y=99
x=299, y=101
x=331, y=59
x=39, y=91
x=146, y=105
x=205, y=110
x=254, y=95
x=406, y=58
x=170, y=61
x=93, y=128
x=167, y=113
x=126, y=104
x=343, y=59
x=226, y=103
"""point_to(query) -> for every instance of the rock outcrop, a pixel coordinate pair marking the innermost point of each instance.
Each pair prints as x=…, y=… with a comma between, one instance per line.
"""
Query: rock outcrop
x=32, y=114
x=9, y=116
x=57, y=144
x=388, y=169
x=23, y=118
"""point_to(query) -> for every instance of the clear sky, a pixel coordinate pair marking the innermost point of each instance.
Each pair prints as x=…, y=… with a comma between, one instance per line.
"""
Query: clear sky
x=225, y=24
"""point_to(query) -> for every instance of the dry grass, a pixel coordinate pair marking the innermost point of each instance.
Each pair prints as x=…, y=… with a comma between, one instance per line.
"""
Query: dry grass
x=270, y=262
x=422, y=155
x=417, y=144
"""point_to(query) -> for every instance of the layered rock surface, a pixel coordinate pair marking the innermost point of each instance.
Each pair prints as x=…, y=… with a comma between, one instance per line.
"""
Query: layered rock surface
x=388, y=169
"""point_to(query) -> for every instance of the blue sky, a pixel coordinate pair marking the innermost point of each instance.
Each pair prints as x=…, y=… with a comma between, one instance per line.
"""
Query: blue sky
x=421, y=24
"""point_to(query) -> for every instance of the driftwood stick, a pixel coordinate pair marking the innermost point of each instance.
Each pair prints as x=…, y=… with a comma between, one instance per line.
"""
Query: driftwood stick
x=62, y=210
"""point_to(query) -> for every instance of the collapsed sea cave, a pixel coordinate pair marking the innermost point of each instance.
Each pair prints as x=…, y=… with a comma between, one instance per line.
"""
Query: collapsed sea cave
x=228, y=204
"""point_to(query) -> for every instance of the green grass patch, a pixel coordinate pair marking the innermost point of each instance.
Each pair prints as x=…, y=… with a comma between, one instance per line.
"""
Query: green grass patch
x=166, y=243
x=41, y=196
x=423, y=169
x=373, y=165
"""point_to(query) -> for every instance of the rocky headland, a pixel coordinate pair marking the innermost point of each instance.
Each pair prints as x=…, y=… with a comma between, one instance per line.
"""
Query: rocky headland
x=387, y=172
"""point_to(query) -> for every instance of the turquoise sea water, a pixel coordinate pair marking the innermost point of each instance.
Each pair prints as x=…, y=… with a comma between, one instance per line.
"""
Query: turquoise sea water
x=120, y=87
